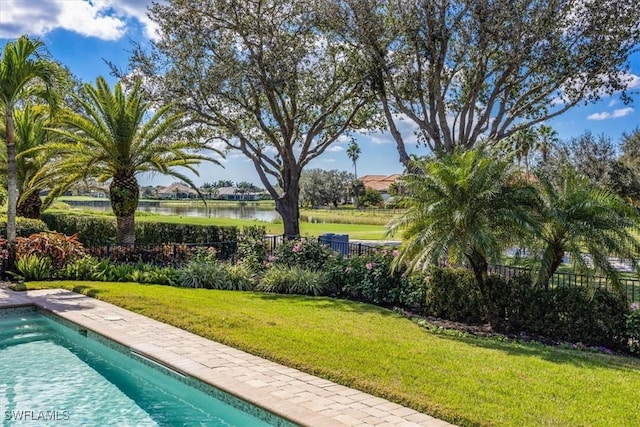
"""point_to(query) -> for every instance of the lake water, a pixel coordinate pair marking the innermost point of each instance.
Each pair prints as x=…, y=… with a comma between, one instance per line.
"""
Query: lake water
x=237, y=211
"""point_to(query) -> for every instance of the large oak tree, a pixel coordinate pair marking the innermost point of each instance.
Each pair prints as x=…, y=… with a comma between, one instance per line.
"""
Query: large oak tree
x=466, y=70
x=263, y=77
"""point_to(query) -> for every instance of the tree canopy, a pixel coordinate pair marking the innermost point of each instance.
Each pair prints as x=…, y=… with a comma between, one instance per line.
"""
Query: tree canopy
x=468, y=70
x=263, y=78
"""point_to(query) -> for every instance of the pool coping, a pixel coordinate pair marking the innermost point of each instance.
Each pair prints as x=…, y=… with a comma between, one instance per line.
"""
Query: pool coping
x=296, y=396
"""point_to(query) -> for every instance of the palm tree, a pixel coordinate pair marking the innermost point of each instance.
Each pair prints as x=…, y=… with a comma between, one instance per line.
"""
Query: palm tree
x=580, y=216
x=525, y=141
x=548, y=138
x=25, y=73
x=462, y=207
x=30, y=132
x=353, y=151
x=116, y=137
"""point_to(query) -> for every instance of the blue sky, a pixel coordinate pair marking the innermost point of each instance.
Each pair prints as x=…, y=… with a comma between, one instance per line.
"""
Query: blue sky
x=83, y=34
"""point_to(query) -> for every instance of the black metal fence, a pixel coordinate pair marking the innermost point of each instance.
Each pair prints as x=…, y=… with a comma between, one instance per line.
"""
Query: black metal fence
x=174, y=254
x=630, y=286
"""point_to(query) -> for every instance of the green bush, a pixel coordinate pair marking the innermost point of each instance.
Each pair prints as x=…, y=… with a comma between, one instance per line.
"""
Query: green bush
x=25, y=226
x=452, y=293
x=308, y=253
x=197, y=274
x=90, y=268
x=633, y=328
x=96, y=230
x=205, y=272
x=577, y=315
x=561, y=314
x=147, y=273
x=369, y=278
x=238, y=277
x=34, y=267
x=283, y=279
x=252, y=251
x=151, y=233
x=91, y=230
x=80, y=269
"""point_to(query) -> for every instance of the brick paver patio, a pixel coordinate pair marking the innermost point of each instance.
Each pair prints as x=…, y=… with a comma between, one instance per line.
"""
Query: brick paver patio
x=289, y=393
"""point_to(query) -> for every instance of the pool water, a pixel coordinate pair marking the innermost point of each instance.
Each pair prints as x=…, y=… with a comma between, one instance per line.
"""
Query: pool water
x=51, y=374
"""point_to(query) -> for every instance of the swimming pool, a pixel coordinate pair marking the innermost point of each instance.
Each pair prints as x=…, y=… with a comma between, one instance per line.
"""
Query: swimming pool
x=51, y=373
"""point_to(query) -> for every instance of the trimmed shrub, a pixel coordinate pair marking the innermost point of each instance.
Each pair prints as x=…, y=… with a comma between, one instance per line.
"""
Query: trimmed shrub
x=91, y=230
x=452, y=294
x=283, y=279
x=577, y=315
x=96, y=230
x=593, y=318
x=158, y=232
x=25, y=226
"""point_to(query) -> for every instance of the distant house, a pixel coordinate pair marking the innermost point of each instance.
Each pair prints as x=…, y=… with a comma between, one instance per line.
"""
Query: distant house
x=380, y=183
x=232, y=193
x=177, y=190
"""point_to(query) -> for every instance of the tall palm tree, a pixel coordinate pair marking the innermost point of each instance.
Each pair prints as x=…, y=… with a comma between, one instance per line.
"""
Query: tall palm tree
x=580, y=216
x=117, y=136
x=25, y=73
x=464, y=208
x=525, y=141
x=353, y=151
x=548, y=138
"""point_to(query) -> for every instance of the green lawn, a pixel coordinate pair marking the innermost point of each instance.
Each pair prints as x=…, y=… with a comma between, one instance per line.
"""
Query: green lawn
x=465, y=380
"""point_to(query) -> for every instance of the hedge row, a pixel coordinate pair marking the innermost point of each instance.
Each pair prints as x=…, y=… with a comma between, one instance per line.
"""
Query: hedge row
x=93, y=231
x=24, y=226
x=592, y=317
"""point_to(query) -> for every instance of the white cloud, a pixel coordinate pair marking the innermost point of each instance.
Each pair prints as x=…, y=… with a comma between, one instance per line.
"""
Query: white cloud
x=621, y=112
x=633, y=81
x=334, y=148
x=103, y=19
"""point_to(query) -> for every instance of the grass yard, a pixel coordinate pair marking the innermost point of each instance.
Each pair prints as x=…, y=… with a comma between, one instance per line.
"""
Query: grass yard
x=465, y=380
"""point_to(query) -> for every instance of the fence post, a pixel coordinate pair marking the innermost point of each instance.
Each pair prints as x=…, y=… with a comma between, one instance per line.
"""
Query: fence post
x=359, y=249
x=108, y=249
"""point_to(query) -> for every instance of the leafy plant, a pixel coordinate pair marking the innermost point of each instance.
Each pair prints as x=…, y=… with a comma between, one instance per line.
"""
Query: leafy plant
x=34, y=267
x=239, y=277
x=203, y=274
x=81, y=269
x=307, y=253
x=252, y=250
x=59, y=248
x=369, y=278
x=283, y=279
x=453, y=294
x=633, y=328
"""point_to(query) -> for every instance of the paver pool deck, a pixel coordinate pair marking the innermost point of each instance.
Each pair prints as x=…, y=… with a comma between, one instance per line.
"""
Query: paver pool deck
x=294, y=395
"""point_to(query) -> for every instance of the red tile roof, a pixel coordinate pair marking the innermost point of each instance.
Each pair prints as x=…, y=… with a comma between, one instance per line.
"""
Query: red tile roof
x=380, y=182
